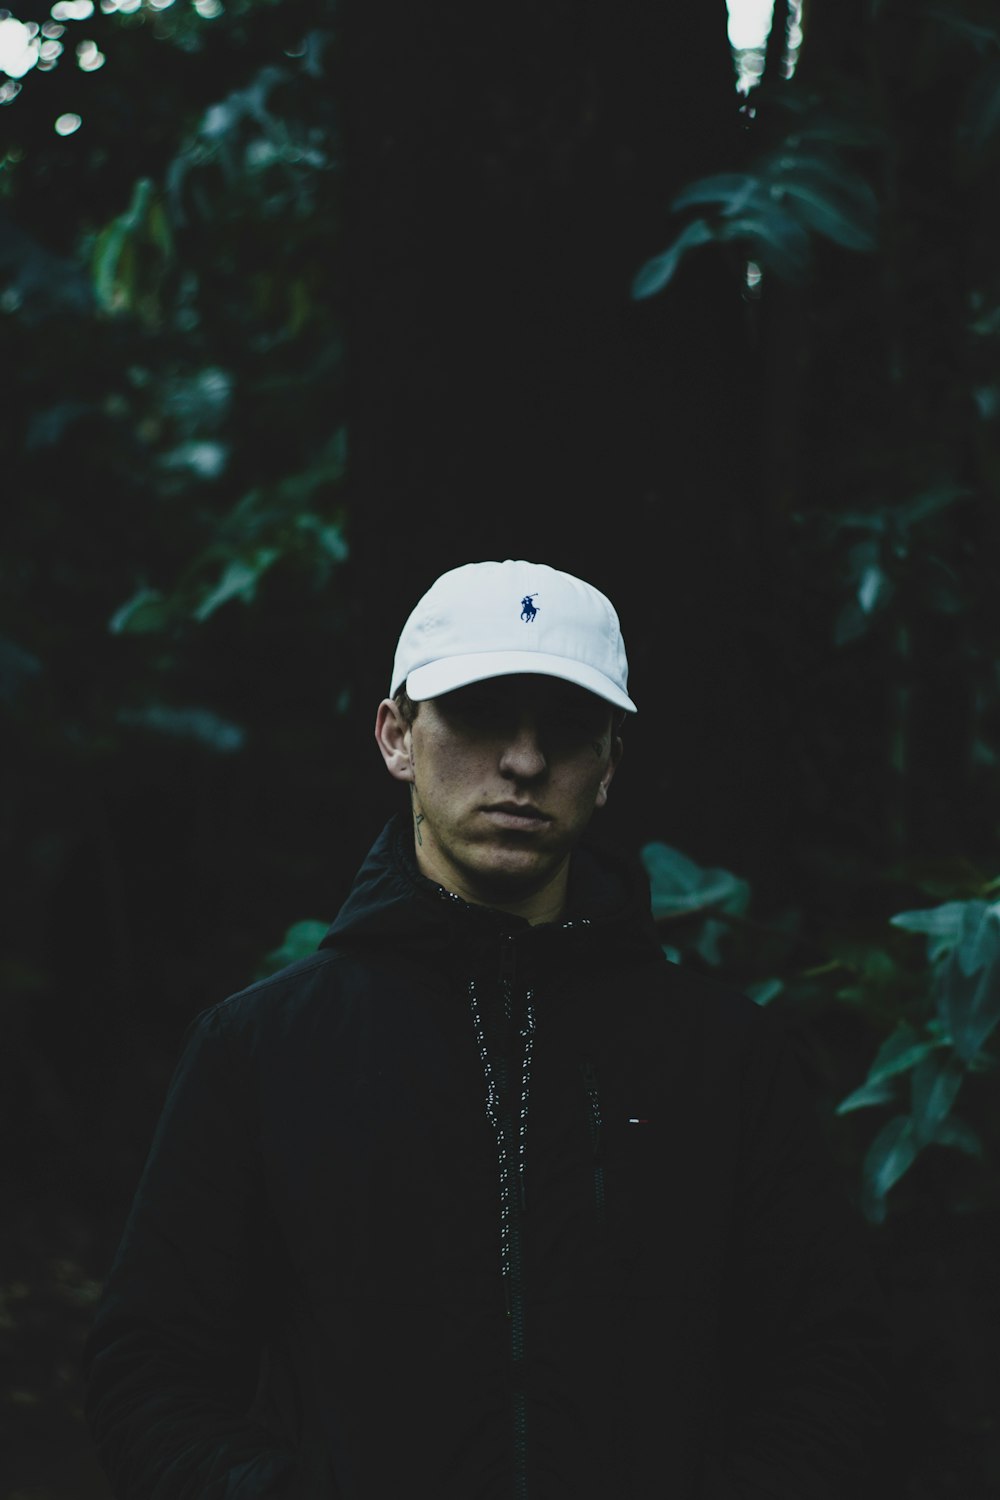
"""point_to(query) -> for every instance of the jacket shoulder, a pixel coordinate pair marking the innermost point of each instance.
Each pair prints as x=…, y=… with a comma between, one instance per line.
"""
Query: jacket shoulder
x=284, y=991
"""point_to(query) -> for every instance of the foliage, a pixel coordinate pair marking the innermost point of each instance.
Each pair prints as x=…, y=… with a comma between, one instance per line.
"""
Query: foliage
x=178, y=548
x=861, y=237
x=932, y=1021
x=802, y=190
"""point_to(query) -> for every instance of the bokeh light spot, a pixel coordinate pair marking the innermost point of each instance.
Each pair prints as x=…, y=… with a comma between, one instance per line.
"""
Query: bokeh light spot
x=72, y=10
x=18, y=47
x=89, y=56
x=67, y=124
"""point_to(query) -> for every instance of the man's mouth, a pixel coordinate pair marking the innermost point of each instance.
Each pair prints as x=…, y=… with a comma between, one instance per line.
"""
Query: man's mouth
x=517, y=814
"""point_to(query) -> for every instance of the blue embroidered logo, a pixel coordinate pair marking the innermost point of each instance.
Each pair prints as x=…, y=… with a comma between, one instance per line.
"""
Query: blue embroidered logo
x=528, y=609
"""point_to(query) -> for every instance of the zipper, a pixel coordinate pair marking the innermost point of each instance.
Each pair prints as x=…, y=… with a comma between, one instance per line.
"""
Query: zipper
x=589, y=1073
x=515, y=1131
x=507, y=1110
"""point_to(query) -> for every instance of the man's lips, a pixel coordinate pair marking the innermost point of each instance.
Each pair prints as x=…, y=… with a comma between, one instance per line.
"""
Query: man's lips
x=516, y=814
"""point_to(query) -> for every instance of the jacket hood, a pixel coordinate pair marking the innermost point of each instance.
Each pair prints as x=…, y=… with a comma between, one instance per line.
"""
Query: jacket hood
x=391, y=903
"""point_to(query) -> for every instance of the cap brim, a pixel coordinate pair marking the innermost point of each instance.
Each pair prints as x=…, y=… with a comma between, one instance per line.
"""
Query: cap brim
x=453, y=672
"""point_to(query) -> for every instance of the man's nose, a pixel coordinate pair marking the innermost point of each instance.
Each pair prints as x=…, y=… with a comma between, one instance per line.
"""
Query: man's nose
x=523, y=754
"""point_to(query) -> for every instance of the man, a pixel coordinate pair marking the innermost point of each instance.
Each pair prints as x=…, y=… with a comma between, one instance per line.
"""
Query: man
x=486, y=1199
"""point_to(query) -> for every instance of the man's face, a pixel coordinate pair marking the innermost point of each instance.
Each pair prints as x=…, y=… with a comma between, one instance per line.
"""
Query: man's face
x=506, y=775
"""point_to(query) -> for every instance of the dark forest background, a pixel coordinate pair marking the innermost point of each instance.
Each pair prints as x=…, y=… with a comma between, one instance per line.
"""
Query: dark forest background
x=301, y=305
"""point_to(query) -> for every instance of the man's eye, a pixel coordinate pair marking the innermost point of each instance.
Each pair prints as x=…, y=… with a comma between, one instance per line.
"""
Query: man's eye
x=577, y=726
x=474, y=710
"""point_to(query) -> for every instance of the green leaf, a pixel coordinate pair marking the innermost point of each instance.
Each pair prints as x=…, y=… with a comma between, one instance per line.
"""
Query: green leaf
x=868, y=1094
x=146, y=611
x=656, y=273
x=765, y=990
x=709, y=941
x=733, y=191
x=929, y=502
x=898, y=1053
x=239, y=581
x=890, y=1155
x=300, y=941
x=200, y=724
x=105, y=261
x=941, y=924
x=678, y=886
x=934, y=1083
x=968, y=981
x=778, y=241
x=835, y=221
x=960, y=1134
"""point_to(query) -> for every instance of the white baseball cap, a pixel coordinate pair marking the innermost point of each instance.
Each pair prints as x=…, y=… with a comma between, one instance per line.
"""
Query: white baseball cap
x=492, y=619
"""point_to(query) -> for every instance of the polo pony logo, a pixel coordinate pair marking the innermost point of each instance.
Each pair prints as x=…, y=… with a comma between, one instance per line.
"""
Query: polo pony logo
x=528, y=609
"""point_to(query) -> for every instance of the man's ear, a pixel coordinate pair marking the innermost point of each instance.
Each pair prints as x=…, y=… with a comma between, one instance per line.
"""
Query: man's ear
x=614, y=757
x=392, y=735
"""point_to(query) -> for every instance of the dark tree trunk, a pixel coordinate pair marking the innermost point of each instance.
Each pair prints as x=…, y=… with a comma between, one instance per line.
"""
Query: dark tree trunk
x=507, y=174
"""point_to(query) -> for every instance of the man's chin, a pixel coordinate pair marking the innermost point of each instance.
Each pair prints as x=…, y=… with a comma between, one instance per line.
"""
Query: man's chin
x=512, y=872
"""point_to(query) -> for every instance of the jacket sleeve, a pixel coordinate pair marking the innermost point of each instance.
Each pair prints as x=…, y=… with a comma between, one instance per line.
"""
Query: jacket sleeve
x=805, y=1329
x=172, y=1358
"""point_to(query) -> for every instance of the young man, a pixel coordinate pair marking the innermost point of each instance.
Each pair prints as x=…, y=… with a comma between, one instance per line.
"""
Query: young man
x=486, y=1199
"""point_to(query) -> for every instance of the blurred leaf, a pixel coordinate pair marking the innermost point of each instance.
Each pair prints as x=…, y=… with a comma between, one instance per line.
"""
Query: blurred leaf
x=775, y=208
x=930, y=502
x=943, y=925
x=239, y=581
x=968, y=981
x=960, y=1134
x=199, y=724
x=868, y=1094
x=763, y=991
x=709, y=941
x=934, y=1084
x=898, y=1053
x=655, y=274
x=129, y=255
x=982, y=37
x=678, y=886
x=732, y=191
x=850, y=624
x=300, y=941
x=17, y=667
x=147, y=610
x=889, y=1157
x=775, y=240
x=106, y=261
x=833, y=202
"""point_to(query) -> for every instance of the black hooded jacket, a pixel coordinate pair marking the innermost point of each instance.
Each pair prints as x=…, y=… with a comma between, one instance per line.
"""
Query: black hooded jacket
x=462, y=1207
